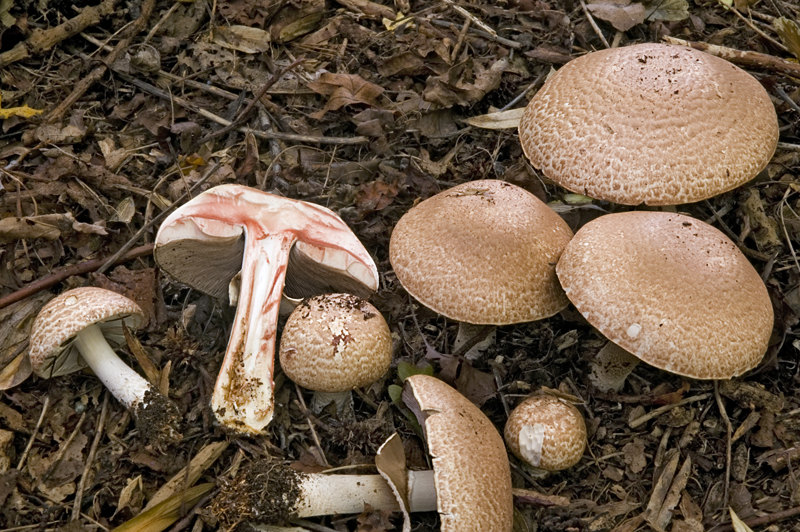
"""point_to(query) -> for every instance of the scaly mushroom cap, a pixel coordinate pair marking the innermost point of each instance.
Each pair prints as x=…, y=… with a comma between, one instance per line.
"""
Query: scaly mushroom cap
x=51, y=352
x=471, y=471
x=671, y=290
x=483, y=253
x=334, y=343
x=546, y=432
x=650, y=123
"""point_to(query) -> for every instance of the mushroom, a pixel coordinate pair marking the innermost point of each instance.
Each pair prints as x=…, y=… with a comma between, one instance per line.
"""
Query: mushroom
x=482, y=253
x=673, y=291
x=78, y=329
x=650, y=123
x=333, y=343
x=240, y=241
x=611, y=368
x=469, y=494
x=547, y=433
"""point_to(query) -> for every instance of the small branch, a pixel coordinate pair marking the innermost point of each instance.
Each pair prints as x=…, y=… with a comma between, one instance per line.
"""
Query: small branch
x=76, y=505
x=42, y=40
x=753, y=60
x=728, y=430
x=594, y=25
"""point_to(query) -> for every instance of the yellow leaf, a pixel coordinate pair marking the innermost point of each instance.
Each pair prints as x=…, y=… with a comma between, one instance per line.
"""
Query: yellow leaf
x=738, y=524
x=165, y=513
x=789, y=33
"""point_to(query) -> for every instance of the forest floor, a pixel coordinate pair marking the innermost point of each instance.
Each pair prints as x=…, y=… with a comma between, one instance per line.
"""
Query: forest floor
x=365, y=111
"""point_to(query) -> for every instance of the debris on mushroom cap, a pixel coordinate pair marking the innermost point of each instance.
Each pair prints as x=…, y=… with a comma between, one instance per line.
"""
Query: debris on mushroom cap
x=232, y=232
x=546, y=432
x=52, y=352
x=671, y=290
x=472, y=474
x=483, y=253
x=650, y=123
x=334, y=343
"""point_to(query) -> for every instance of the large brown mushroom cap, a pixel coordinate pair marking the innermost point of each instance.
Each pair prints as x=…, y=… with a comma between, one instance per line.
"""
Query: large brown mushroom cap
x=334, y=343
x=560, y=427
x=670, y=289
x=51, y=352
x=650, y=123
x=483, y=253
x=471, y=471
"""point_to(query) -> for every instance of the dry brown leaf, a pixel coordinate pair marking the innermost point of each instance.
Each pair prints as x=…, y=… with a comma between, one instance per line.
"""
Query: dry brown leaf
x=344, y=89
x=622, y=14
x=242, y=38
x=497, y=120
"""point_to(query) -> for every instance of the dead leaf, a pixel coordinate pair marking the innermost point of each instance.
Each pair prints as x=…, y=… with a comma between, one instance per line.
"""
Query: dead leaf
x=497, y=120
x=622, y=14
x=634, y=455
x=375, y=196
x=475, y=385
x=738, y=524
x=789, y=33
x=669, y=10
x=344, y=89
x=131, y=495
x=464, y=84
x=242, y=38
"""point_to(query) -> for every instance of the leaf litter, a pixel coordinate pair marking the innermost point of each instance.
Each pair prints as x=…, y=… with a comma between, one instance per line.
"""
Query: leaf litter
x=390, y=103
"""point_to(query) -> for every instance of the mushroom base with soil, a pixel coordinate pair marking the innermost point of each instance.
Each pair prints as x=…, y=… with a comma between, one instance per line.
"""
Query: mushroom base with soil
x=273, y=493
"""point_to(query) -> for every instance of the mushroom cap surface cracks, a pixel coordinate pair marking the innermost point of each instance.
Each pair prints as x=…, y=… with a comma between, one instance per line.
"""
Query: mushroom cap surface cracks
x=650, y=123
x=334, y=343
x=671, y=290
x=563, y=432
x=482, y=252
x=51, y=351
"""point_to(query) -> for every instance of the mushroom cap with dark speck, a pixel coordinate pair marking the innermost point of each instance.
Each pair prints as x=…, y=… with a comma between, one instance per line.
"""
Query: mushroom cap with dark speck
x=650, y=123
x=51, y=352
x=471, y=470
x=671, y=290
x=563, y=432
x=482, y=252
x=334, y=343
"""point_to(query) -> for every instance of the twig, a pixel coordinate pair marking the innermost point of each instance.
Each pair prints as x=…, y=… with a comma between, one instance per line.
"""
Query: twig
x=155, y=91
x=745, y=59
x=59, y=454
x=311, y=425
x=753, y=27
x=758, y=521
x=250, y=106
x=658, y=411
x=480, y=33
x=43, y=40
x=76, y=505
x=64, y=273
x=35, y=432
x=594, y=25
x=95, y=75
x=728, y=431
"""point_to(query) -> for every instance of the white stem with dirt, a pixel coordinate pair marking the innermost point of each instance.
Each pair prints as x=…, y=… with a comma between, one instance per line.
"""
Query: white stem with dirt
x=125, y=384
x=243, y=395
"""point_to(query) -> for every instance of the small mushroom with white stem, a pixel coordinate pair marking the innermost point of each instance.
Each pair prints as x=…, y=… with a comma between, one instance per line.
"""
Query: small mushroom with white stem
x=546, y=432
x=333, y=343
x=77, y=329
x=469, y=494
x=240, y=241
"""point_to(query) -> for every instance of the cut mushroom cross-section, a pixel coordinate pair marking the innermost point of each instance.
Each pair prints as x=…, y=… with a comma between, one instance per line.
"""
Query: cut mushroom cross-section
x=75, y=330
x=241, y=239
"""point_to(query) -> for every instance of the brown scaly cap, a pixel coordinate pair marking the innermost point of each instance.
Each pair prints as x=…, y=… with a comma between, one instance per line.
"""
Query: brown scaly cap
x=63, y=317
x=650, y=123
x=563, y=431
x=483, y=253
x=472, y=475
x=671, y=290
x=334, y=343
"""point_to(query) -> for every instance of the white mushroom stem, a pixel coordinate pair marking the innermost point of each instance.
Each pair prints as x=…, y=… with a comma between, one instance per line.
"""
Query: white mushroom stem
x=243, y=395
x=125, y=384
x=467, y=332
x=611, y=367
x=348, y=494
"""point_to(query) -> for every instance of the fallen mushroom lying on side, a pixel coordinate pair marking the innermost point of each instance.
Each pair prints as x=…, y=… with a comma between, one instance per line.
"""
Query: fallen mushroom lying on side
x=470, y=494
x=74, y=330
x=238, y=242
x=547, y=433
x=333, y=343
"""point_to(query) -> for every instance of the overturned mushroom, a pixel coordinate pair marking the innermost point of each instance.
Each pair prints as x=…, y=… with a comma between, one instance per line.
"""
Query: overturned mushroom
x=239, y=239
x=74, y=330
x=469, y=494
x=333, y=343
